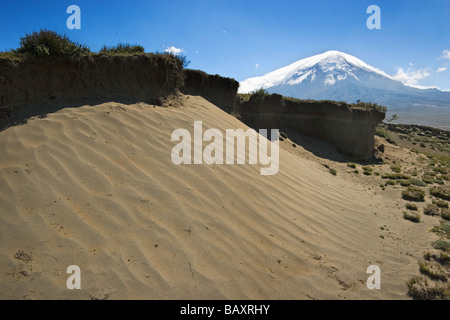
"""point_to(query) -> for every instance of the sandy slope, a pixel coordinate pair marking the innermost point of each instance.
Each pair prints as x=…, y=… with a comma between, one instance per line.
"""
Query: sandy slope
x=94, y=186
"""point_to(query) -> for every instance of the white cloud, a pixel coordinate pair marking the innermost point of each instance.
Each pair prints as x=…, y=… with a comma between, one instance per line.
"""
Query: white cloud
x=173, y=50
x=257, y=66
x=446, y=54
x=411, y=64
x=441, y=69
x=410, y=76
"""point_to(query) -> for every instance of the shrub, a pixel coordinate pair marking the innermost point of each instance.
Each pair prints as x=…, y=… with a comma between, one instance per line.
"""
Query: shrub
x=443, y=230
x=396, y=168
x=46, y=43
x=351, y=165
x=333, y=171
x=442, y=192
x=258, y=95
x=440, y=203
x=122, y=48
x=405, y=183
x=418, y=182
x=181, y=60
x=439, y=256
x=411, y=206
x=445, y=213
x=433, y=271
x=411, y=216
x=369, y=106
x=441, y=245
x=390, y=183
x=395, y=176
x=413, y=194
x=426, y=289
x=384, y=134
x=431, y=210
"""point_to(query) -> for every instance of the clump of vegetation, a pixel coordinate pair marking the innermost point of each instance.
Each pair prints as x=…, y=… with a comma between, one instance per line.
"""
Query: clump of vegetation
x=369, y=106
x=434, y=271
x=356, y=171
x=426, y=289
x=381, y=132
x=445, y=213
x=181, y=60
x=122, y=48
x=367, y=170
x=390, y=183
x=431, y=210
x=438, y=256
x=395, y=176
x=441, y=245
x=47, y=43
x=333, y=171
x=396, y=168
x=411, y=216
x=258, y=95
x=443, y=230
x=411, y=206
x=440, y=203
x=413, y=194
x=427, y=179
x=442, y=192
x=418, y=182
x=351, y=165
x=405, y=183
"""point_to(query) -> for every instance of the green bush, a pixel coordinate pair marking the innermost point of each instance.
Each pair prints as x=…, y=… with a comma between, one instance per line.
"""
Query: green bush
x=413, y=194
x=47, y=43
x=181, y=59
x=411, y=206
x=395, y=176
x=411, y=216
x=445, y=213
x=405, y=183
x=441, y=245
x=418, y=182
x=442, y=192
x=122, y=48
x=384, y=134
x=440, y=203
x=431, y=210
x=258, y=95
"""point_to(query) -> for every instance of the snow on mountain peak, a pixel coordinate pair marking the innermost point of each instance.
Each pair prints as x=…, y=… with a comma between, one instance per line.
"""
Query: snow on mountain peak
x=295, y=73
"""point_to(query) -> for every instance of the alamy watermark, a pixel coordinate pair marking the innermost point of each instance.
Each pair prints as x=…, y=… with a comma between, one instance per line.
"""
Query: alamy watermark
x=74, y=20
x=74, y=280
x=374, y=21
x=213, y=153
x=374, y=281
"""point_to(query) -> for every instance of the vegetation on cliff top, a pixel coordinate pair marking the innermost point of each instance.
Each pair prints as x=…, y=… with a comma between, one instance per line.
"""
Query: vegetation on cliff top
x=260, y=94
x=47, y=43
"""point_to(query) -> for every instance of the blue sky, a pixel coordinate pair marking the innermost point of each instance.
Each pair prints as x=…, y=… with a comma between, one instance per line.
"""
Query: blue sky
x=247, y=38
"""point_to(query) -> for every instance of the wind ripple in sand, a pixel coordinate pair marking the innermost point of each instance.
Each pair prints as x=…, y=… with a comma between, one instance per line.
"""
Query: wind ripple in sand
x=95, y=187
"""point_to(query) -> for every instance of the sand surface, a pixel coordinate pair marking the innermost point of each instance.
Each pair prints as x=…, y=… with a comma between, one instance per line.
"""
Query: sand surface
x=95, y=186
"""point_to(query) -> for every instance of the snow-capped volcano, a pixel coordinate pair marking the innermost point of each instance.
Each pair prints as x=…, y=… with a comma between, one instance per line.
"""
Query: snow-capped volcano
x=337, y=66
x=335, y=75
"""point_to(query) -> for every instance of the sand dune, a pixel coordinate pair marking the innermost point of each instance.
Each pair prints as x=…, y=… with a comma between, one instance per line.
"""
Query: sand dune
x=95, y=186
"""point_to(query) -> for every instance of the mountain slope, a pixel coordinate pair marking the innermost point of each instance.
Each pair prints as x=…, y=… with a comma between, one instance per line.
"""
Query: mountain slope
x=334, y=75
